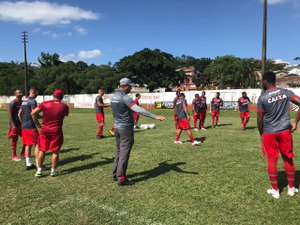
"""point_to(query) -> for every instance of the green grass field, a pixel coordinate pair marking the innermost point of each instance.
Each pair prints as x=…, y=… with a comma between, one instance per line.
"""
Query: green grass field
x=222, y=181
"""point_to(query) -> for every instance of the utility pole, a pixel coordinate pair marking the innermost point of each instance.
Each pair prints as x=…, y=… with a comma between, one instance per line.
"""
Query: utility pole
x=264, y=39
x=25, y=40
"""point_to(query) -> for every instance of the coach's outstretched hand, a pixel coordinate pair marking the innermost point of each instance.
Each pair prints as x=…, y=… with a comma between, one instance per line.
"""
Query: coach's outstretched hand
x=161, y=118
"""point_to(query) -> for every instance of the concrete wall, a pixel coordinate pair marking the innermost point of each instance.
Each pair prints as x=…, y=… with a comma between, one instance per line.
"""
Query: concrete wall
x=87, y=100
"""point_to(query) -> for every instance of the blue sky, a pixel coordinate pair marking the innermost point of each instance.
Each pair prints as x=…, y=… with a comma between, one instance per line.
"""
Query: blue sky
x=99, y=31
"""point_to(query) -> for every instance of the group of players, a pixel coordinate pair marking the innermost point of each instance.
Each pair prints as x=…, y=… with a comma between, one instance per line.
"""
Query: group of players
x=199, y=110
x=273, y=120
x=24, y=121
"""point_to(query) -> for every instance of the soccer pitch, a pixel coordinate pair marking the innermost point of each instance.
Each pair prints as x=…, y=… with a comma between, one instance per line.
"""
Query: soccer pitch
x=222, y=181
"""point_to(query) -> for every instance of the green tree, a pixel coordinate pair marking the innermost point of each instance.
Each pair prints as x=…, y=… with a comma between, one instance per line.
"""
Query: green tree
x=225, y=71
x=152, y=68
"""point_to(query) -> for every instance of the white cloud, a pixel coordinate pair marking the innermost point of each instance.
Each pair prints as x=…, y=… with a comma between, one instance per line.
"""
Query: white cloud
x=89, y=54
x=68, y=57
x=82, y=55
x=274, y=2
x=277, y=2
x=280, y=61
x=55, y=35
x=81, y=30
x=43, y=13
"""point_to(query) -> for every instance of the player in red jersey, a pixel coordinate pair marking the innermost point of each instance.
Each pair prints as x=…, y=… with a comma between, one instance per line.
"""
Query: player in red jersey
x=174, y=105
x=15, y=124
x=274, y=125
x=99, y=105
x=196, y=111
x=216, y=103
x=183, y=120
x=243, y=109
x=51, y=133
x=136, y=116
x=29, y=131
x=203, y=108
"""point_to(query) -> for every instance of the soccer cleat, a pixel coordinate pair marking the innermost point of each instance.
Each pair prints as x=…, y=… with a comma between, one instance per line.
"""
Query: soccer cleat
x=54, y=174
x=16, y=158
x=125, y=183
x=196, y=143
x=274, y=193
x=38, y=174
x=31, y=167
x=112, y=132
x=203, y=129
x=292, y=191
x=177, y=142
x=115, y=178
x=195, y=129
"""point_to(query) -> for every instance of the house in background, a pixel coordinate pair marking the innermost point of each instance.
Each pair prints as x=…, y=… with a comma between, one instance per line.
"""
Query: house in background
x=188, y=83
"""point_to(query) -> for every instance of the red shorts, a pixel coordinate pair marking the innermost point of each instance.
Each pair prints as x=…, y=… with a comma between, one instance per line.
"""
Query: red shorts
x=184, y=124
x=215, y=113
x=245, y=115
x=196, y=116
x=30, y=137
x=14, y=133
x=50, y=142
x=136, y=116
x=175, y=118
x=100, y=117
x=281, y=142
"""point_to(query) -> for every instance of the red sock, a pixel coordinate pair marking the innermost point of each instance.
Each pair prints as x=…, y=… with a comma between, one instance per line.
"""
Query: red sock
x=14, y=147
x=272, y=171
x=100, y=130
x=290, y=171
x=217, y=120
x=247, y=120
x=242, y=122
x=177, y=137
x=192, y=139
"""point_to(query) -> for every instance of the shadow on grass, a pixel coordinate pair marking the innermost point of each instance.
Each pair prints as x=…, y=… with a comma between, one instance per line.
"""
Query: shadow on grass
x=282, y=180
x=220, y=125
x=202, y=139
x=162, y=168
x=76, y=158
x=63, y=151
x=251, y=127
x=88, y=166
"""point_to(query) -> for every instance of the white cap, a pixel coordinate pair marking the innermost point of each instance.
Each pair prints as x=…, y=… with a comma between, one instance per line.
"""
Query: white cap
x=126, y=82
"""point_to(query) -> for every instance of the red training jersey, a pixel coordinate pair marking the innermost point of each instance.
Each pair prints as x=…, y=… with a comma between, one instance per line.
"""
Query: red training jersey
x=136, y=101
x=54, y=112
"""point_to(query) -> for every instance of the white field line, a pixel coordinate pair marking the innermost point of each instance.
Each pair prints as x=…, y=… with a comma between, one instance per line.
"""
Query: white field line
x=115, y=212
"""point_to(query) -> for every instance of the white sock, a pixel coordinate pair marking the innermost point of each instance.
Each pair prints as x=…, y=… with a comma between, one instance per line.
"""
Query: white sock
x=53, y=170
x=28, y=161
x=39, y=169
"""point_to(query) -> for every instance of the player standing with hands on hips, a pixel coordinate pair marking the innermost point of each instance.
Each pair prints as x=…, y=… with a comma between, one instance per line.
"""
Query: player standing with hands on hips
x=123, y=107
x=274, y=125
